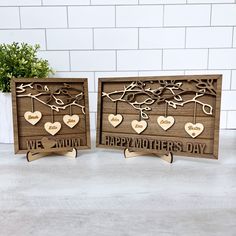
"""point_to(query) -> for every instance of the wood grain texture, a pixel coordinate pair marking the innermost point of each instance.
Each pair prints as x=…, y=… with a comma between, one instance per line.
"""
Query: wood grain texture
x=177, y=130
x=68, y=89
x=181, y=114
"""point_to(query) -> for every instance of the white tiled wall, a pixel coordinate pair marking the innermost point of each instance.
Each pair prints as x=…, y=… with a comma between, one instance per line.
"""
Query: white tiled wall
x=101, y=38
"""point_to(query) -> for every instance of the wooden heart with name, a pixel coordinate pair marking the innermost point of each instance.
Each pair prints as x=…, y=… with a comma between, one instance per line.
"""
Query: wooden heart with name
x=139, y=126
x=71, y=121
x=165, y=122
x=115, y=120
x=33, y=117
x=52, y=128
x=194, y=130
x=48, y=143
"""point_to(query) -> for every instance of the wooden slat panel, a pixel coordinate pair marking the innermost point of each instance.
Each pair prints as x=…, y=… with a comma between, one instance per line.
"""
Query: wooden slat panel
x=177, y=130
x=27, y=129
x=118, y=83
x=55, y=84
x=24, y=104
x=82, y=136
x=125, y=108
x=164, y=77
x=207, y=151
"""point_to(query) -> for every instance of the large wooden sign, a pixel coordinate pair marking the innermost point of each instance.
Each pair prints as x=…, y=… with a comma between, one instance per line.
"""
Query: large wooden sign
x=177, y=114
x=50, y=114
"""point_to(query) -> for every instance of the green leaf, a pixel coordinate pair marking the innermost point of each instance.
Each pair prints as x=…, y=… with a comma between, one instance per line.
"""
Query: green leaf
x=21, y=61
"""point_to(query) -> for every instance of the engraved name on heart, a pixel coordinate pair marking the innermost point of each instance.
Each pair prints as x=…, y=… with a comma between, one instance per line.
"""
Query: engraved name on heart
x=48, y=143
x=52, y=128
x=33, y=117
x=139, y=126
x=71, y=121
x=115, y=120
x=194, y=129
x=165, y=122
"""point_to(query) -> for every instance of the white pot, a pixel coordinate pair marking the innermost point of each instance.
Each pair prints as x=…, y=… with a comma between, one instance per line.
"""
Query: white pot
x=6, y=123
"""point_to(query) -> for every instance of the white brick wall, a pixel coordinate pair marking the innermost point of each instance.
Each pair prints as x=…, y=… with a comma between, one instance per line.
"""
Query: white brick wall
x=233, y=84
x=209, y=37
x=65, y=2
x=91, y=16
x=139, y=16
x=187, y=15
x=69, y=39
x=11, y=13
x=185, y=59
x=59, y=60
x=103, y=38
x=20, y=3
x=224, y=14
x=116, y=38
x=150, y=38
x=93, y=60
x=43, y=17
x=222, y=58
x=36, y=36
x=139, y=60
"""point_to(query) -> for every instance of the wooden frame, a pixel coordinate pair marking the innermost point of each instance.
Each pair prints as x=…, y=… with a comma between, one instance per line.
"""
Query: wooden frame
x=57, y=98
x=209, y=135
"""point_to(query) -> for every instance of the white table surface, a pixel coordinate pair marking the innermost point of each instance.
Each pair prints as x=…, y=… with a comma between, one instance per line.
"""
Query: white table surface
x=101, y=193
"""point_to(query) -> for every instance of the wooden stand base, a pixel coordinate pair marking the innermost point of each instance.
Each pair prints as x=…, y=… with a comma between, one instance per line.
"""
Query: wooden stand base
x=31, y=156
x=128, y=154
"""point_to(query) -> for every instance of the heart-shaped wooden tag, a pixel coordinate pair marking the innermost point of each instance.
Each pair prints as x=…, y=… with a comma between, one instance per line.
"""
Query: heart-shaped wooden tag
x=52, y=128
x=139, y=126
x=71, y=121
x=165, y=122
x=48, y=143
x=33, y=117
x=115, y=120
x=194, y=129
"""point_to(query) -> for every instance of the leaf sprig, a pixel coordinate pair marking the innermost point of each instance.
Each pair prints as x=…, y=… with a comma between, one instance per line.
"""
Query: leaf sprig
x=21, y=61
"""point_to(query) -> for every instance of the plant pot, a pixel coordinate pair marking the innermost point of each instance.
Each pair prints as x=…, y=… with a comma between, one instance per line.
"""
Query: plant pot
x=6, y=123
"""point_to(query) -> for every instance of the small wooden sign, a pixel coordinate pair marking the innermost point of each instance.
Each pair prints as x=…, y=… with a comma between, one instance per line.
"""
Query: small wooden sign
x=50, y=114
x=177, y=114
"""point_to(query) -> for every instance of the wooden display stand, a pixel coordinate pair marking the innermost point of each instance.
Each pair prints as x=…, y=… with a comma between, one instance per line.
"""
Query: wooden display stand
x=128, y=154
x=51, y=116
x=32, y=156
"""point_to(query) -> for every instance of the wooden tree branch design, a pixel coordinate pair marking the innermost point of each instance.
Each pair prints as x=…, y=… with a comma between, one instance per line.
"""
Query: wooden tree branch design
x=52, y=100
x=167, y=91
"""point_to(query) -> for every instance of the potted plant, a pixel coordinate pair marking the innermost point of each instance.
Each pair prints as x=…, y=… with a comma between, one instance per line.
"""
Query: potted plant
x=16, y=61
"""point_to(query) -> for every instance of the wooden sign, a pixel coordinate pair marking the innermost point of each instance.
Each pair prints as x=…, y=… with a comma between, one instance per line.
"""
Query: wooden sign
x=50, y=114
x=177, y=114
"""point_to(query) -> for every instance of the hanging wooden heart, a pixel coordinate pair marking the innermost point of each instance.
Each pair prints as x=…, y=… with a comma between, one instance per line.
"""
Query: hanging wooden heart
x=115, y=120
x=139, y=126
x=52, y=128
x=33, y=117
x=48, y=143
x=165, y=122
x=194, y=129
x=71, y=121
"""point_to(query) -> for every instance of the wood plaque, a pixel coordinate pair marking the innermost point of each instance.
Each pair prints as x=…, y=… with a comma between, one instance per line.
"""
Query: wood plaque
x=50, y=114
x=178, y=114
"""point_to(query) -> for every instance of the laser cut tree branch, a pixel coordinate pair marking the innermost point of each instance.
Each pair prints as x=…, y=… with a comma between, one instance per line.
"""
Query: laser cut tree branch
x=59, y=104
x=133, y=91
